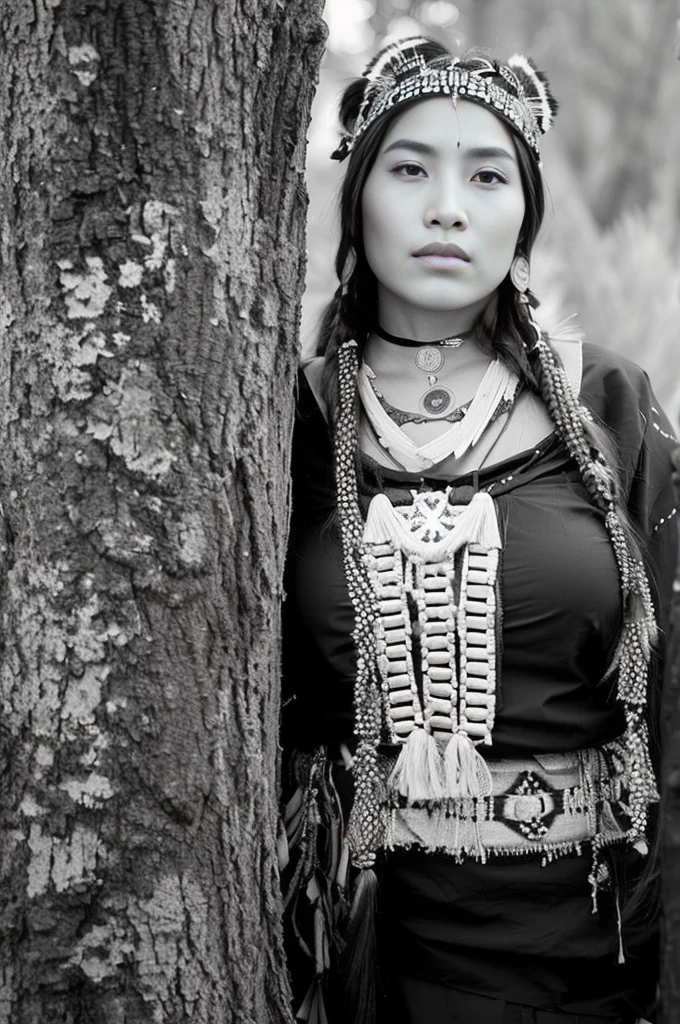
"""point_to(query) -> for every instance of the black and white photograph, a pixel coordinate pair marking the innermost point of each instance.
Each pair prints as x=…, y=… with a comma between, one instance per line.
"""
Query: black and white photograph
x=339, y=489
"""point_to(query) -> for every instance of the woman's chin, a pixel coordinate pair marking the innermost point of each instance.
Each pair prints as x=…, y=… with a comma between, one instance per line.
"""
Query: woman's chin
x=445, y=302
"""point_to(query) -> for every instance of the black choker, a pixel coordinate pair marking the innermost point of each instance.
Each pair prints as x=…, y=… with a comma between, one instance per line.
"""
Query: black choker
x=453, y=342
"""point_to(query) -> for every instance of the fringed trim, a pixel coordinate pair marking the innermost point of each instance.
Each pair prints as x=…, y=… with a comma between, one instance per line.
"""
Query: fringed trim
x=336, y=936
x=422, y=775
x=313, y=1008
x=467, y=773
x=361, y=955
x=619, y=926
x=314, y=872
x=417, y=775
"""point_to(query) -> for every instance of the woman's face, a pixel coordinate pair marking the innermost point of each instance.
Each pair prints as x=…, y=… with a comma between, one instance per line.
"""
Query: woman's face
x=442, y=209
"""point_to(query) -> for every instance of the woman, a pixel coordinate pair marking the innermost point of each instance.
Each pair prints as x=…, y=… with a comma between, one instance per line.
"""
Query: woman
x=480, y=556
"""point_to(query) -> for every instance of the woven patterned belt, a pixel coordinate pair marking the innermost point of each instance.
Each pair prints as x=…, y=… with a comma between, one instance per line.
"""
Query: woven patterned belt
x=548, y=804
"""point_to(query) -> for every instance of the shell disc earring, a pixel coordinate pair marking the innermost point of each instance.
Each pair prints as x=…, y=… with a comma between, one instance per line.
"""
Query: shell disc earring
x=520, y=275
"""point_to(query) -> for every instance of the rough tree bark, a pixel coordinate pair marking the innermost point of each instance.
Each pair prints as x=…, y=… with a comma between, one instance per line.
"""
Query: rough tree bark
x=152, y=203
x=670, y=808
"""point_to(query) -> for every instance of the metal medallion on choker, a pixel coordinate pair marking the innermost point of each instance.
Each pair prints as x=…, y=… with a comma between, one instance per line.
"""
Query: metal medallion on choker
x=453, y=341
x=438, y=401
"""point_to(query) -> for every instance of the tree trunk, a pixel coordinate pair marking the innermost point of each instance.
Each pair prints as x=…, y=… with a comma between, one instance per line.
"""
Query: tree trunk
x=152, y=260
x=670, y=809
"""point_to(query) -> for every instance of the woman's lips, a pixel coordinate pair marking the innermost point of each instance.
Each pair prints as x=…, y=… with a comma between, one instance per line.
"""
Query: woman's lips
x=442, y=256
x=442, y=262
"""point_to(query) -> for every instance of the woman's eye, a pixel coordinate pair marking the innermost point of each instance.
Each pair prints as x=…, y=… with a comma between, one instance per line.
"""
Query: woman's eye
x=409, y=170
x=489, y=177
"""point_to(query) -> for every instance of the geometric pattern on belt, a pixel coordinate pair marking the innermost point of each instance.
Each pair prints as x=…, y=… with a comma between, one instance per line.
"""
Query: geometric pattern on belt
x=528, y=806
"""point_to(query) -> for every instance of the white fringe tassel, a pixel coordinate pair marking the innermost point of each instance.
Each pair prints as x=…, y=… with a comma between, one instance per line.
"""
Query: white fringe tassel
x=417, y=775
x=466, y=771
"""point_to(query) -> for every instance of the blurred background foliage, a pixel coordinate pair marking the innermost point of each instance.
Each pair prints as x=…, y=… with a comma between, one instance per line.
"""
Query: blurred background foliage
x=610, y=248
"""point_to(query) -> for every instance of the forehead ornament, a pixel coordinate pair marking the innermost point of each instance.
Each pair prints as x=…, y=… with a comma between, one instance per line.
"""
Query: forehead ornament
x=516, y=91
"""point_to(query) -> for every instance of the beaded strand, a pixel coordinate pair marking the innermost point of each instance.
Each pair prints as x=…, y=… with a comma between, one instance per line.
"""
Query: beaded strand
x=639, y=626
x=568, y=418
x=365, y=827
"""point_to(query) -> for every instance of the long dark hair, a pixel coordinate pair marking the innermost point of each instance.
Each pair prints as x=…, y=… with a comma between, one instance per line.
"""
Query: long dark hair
x=505, y=327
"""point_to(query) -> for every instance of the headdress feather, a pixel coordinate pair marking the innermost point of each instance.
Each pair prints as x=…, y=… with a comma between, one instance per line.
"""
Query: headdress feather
x=533, y=83
x=398, y=58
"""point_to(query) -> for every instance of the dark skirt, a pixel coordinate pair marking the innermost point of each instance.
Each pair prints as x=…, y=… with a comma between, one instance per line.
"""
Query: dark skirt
x=507, y=942
x=425, y=1001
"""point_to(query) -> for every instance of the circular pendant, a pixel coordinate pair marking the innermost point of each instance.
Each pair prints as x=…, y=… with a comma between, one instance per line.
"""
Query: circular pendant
x=429, y=359
x=437, y=401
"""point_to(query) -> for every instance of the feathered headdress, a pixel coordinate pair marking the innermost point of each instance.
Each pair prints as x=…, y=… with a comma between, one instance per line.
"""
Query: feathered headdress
x=420, y=67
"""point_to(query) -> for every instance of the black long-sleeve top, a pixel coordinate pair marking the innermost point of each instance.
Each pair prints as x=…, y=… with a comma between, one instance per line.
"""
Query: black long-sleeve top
x=560, y=588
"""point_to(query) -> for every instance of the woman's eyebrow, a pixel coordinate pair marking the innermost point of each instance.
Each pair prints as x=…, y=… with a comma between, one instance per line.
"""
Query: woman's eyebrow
x=417, y=147
x=488, y=152
x=475, y=153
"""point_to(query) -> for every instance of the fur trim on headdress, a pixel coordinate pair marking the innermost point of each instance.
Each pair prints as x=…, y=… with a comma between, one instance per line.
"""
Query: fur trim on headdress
x=398, y=59
x=534, y=85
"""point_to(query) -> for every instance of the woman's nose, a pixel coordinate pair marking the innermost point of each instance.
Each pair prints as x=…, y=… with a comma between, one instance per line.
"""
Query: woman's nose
x=446, y=209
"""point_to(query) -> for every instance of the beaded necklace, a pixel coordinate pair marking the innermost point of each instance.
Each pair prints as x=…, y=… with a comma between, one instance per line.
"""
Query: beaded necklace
x=410, y=575
x=402, y=416
x=498, y=385
x=434, y=565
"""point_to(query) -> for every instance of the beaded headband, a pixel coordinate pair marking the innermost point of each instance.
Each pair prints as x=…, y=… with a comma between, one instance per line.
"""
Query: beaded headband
x=400, y=72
